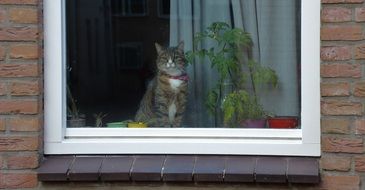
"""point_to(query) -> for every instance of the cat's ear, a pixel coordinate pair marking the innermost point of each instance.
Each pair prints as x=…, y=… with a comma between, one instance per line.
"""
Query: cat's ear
x=158, y=48
x=181, y=46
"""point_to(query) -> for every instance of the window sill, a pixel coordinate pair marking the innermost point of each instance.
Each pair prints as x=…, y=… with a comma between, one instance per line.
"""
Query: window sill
x=180, y=168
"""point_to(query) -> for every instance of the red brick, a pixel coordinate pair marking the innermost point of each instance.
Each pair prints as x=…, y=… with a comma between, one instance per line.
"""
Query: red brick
x=23, y=15
x=18, y=34
x=335, y=126
x=335, y=163
x=18, y=180
x=336, y=14
x=2, y=53
x=2, y=15
x=360, y=163
x=335, y=89
x=27, y=161
x=3, y=90
x=24, y=51
x=18, y=70
x=360, y=51
x=359, y=89
x=359, y=14
x=340, y=182
x=346, y=32
x=18, y=143
x=24, y=88
x=341, y=108
x=360, y=126
x=342, y=145
x=24, y=124
x=19, y=2
x=2, y=165
x=343, y=70
x=2, y=124
x=342, y=1
x=18, y=106
x=336, y=53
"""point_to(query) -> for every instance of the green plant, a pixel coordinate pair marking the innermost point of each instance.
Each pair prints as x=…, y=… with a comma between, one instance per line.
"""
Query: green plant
x=226, y=55
x=99, y=119
x=241, y=105
x=74, y=118
x=72, y=110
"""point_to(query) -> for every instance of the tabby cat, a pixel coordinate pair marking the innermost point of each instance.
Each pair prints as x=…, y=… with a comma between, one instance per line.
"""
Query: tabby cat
x=164, y=102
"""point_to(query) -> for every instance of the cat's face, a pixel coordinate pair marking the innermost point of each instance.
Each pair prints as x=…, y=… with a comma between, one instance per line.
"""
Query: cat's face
x=171, y=60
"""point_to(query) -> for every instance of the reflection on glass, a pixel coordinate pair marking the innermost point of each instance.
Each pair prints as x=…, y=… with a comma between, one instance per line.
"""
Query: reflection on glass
x=195, y=64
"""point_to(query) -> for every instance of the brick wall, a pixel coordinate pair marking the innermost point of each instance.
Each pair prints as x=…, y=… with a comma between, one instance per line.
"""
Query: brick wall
x=342, y=89
x=343, y=94
x=20, y=98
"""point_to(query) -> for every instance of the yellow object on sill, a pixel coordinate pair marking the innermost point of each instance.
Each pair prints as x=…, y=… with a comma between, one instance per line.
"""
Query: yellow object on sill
x=137, y=125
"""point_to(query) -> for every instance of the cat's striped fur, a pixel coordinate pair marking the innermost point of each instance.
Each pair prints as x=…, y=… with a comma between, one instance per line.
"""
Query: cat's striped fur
x=164, y=102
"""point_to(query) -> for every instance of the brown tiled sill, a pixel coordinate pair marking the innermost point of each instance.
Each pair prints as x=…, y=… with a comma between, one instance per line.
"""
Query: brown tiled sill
x=180, y=168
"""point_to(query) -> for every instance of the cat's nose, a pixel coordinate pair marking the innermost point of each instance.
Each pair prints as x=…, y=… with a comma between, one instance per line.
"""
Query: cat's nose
x=170, y=64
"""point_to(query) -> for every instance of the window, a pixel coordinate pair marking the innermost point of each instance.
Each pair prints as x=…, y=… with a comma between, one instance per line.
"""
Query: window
x=163, y=8
x=100, y=66
x=125, y=8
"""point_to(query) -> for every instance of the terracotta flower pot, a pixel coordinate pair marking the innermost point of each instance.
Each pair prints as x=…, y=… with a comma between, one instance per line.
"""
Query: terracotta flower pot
x=283, y=122
x=253, y=123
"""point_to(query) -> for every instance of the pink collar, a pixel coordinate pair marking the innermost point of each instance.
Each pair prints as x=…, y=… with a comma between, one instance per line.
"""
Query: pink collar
x=183, y=77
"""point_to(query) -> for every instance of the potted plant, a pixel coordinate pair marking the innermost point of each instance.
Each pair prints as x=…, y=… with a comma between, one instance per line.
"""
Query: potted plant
x=74, y=118
x=230, y=102
x=240, y=107
x=99, y=119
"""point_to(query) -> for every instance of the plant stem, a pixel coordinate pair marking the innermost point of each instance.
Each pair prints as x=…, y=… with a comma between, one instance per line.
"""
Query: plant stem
x=75, y=112
x=252, y=81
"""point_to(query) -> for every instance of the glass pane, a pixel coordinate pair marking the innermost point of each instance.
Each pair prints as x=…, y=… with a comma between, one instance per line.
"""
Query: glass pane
x=138, y=6
x=191, y=64
x=128, y=8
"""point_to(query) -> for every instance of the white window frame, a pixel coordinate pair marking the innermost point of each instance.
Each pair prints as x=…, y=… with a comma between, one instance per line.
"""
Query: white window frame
x=294, y=142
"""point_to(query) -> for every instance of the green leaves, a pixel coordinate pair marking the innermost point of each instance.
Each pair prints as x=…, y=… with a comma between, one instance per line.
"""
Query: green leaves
x=237, y=37
x=189, y=56
x=72, y=109
x=226, y=46
x=239, y=105
x=235, y=104
x=262, y=75
x=225, y=52
x=212, y=100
